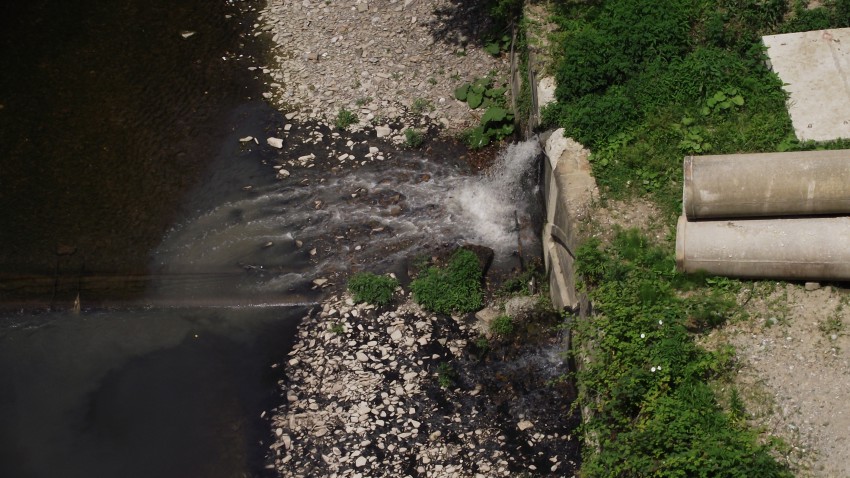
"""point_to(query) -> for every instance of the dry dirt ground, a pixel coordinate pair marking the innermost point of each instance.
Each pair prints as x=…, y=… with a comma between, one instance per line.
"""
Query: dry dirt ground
x=793, y=353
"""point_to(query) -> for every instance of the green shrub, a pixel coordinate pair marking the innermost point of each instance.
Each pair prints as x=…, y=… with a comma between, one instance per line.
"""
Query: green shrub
x=371, y=288
x=345, y=118
x=503, y=326
x=454, y=288
x=413, y=138
x=654, y=413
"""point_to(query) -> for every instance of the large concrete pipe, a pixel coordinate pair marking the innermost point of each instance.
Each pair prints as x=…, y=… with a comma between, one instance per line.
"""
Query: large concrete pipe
x=805, y=248
x=767, y=184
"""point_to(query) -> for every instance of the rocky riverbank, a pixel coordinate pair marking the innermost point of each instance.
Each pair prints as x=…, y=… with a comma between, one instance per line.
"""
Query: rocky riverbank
x=380, y=59
x=403, y=392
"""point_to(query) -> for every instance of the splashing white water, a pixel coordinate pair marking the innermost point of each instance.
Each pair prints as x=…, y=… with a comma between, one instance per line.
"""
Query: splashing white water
x=366, y=216
x=491, y=204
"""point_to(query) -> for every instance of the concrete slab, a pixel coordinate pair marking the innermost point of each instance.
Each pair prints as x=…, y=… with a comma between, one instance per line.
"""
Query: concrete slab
x=815, y=66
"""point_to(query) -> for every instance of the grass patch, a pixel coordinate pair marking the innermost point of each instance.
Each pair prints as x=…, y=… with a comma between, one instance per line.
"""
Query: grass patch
x=646, y=381
x=455, y=288
x=371, y=288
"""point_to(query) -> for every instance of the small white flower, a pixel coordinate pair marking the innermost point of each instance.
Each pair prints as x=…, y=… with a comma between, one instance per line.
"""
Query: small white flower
x=660, y=322
x=652, y=370
x=643, y=336
x=658, y=368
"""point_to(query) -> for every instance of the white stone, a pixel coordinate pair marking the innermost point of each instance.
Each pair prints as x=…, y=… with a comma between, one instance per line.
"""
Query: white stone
x=383, y=131
x=275, y=142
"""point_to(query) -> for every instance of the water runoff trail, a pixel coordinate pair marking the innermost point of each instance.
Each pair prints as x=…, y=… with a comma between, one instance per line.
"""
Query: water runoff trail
x=172, y=384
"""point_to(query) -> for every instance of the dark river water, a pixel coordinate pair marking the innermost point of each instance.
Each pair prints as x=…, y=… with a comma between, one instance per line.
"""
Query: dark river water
x=114, y=128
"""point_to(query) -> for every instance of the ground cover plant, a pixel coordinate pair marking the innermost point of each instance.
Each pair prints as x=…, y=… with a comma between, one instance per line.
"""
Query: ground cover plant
x=497, y=122
x=644, y=83
x=372, y=288
x=652, y=411
x=455, y=288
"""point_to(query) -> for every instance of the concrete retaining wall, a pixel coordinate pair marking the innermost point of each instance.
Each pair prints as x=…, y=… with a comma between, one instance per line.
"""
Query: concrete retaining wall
x=570, y=191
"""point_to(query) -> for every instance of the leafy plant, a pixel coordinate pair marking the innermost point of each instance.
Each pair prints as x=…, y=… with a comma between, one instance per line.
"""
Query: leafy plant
x=454, y=288
x=345, y=118
x=413, y=138
x=723, y=100
x=497, y=122
x=337, y=328
x=497, y=45
x=502, y=325
x=371, y=288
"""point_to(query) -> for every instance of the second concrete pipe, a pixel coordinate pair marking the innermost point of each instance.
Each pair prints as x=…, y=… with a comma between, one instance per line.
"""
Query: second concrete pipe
x=803, y=248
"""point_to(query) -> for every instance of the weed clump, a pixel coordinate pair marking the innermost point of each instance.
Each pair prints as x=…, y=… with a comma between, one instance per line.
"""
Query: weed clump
x=345, y=118
x=454, y=288
x=371, y=288
x=413, y=138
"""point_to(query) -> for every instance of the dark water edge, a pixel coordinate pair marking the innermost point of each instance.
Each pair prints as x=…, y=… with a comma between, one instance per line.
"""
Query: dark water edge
x=140, y=393
x=113, y=128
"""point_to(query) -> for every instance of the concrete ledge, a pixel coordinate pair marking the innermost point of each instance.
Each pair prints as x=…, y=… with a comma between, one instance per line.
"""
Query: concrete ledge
x=570, y=191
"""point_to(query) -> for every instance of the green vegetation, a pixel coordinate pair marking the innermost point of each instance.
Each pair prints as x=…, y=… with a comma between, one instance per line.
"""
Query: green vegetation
x=421, y=105
x=413, y=138
x=653, y=412
x=337, y=328
x=371, y=288
x=446, y=375
x=498, y=45
x=497, y=122
x=503, y=326
x=644, y=83
x=345, y=118
x=454, y=288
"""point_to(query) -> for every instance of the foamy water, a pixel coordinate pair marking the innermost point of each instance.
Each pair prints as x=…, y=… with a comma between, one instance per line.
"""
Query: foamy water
x=286, y=233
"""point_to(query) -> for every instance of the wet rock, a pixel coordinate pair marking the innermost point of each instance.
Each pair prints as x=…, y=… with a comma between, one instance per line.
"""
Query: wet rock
x=520, y=307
